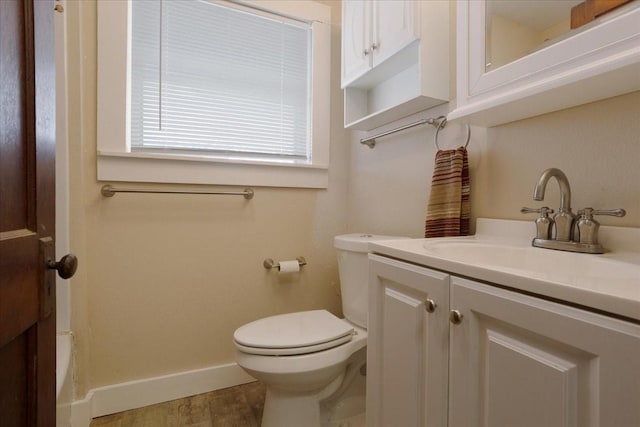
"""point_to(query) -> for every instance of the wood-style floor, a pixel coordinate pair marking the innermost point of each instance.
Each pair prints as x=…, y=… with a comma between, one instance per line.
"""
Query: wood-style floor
x=239, y=406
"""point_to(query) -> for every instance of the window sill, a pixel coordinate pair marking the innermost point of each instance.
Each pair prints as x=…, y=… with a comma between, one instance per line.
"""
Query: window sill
x=194, y=169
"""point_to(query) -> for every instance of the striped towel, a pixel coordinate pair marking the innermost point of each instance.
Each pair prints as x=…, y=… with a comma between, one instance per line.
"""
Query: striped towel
x=449, y=210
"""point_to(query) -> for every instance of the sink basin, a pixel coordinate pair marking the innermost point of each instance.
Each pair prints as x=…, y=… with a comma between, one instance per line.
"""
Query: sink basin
x=564, y=266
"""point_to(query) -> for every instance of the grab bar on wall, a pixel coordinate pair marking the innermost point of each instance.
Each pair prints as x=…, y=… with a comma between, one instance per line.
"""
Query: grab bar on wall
x=109, y=191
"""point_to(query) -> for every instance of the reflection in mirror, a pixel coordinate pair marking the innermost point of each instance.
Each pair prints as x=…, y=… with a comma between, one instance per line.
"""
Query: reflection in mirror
x=515, y=29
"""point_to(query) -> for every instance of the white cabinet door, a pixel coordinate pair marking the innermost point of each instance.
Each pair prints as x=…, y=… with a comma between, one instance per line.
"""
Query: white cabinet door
x=522, y=361
x=373, y=31
x=407, y=345
x=394, y=27
x=356, y=39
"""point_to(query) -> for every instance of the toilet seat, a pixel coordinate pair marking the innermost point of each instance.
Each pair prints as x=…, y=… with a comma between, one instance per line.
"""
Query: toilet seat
x=293, y=351
x=293, y=334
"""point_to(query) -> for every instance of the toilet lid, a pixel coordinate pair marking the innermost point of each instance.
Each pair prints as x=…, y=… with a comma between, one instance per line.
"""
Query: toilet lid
x=293, y=333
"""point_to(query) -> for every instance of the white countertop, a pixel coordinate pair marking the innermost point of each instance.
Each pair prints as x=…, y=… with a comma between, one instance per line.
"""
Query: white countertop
x=500, y=252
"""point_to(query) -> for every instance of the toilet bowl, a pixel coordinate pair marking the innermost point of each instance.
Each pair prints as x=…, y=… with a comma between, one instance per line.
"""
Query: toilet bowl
x=312, y=362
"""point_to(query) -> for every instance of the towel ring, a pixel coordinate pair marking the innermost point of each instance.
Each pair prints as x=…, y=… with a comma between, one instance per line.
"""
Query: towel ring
x=442, y=125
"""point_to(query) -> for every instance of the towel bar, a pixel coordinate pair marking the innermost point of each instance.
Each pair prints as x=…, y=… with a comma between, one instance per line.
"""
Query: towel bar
x=371, y=141
x=439, y=122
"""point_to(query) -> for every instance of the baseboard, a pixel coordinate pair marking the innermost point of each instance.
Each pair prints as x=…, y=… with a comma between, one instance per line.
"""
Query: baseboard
x=136, y=394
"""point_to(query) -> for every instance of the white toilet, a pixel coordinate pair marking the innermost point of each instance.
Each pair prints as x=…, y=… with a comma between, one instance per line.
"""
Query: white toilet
x=312, y=363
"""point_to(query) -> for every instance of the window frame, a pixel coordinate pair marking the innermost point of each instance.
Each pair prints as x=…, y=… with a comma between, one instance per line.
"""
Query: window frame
x=117, y=162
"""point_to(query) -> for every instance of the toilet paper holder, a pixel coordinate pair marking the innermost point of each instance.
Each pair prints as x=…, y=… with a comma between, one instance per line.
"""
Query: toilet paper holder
x=269, y=263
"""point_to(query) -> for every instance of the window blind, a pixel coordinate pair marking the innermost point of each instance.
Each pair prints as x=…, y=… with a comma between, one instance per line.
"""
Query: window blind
x=206, y=77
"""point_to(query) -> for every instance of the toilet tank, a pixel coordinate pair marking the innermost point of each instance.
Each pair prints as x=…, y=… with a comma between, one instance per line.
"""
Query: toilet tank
x=353, y=267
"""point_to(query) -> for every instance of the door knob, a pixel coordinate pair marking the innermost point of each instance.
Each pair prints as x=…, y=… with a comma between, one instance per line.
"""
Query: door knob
x=66, y=267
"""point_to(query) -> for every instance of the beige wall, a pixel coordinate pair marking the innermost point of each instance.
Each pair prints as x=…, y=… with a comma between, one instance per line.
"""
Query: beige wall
x=509, y=40
x=596, y=145
x=164, y=280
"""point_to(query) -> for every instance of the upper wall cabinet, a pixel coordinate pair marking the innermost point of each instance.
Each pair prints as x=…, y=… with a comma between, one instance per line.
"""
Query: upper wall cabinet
x=369, y=40
x=521, y=60
x=395, y=59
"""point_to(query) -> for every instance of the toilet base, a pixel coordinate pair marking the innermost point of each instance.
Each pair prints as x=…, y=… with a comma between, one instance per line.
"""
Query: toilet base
x=348, y=406
x=295, y=411
x=341, y=403
x=287, y=410
x=284, y=408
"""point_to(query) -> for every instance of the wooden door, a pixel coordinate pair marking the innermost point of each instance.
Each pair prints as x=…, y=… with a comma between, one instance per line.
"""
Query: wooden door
x=407, y=348
x=522, y=361
x=27, y=146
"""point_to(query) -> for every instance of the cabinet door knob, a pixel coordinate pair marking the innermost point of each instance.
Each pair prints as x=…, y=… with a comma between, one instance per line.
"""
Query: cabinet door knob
x=430, y=306
x=455, y=317
x=366, y=52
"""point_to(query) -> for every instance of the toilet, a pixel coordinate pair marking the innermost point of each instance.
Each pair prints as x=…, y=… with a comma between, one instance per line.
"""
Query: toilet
x=312, y=363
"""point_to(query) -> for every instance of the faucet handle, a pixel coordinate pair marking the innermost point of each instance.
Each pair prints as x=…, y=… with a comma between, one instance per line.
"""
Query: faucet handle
x=543, y=222
x=588, y=227
x=588, y=213
x=543, y=211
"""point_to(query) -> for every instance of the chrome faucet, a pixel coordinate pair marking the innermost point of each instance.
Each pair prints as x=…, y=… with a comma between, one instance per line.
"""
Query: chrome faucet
x=564, y=218
x=570, y=235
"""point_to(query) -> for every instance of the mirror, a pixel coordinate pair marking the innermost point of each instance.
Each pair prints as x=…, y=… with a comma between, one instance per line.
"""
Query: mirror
x=515, y=29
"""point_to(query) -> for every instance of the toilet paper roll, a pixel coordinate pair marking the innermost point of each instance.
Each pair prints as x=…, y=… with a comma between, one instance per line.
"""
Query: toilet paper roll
x=289, y=266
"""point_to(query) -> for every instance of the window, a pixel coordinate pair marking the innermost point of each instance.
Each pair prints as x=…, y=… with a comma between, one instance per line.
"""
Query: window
x=213, y=92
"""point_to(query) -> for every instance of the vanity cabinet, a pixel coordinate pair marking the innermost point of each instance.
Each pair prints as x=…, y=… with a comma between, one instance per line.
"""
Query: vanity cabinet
x=490, y=356
x=505, y=73
x=521, y=360
x=395, y=59
x=407, y=344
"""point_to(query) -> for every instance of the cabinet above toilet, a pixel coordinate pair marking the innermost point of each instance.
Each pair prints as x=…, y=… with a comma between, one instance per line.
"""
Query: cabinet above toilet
x=395, y=59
